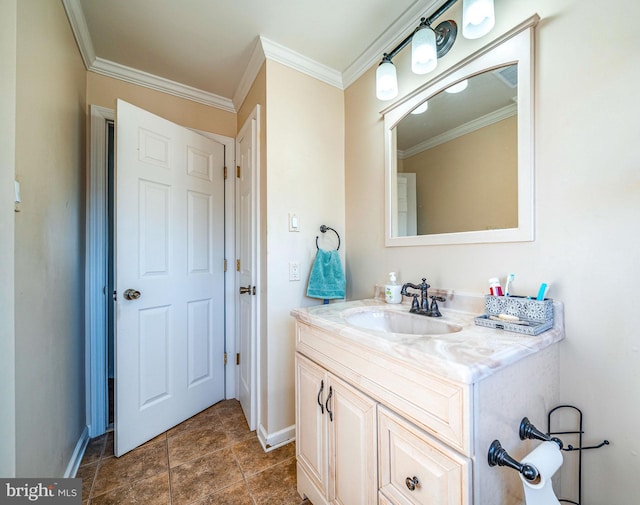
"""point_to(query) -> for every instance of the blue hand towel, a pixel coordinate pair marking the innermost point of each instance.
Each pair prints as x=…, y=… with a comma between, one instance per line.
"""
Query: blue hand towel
x=327, y=278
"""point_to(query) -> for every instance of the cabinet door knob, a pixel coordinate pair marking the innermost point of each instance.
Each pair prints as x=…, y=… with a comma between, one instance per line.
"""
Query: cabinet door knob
x=412, y=483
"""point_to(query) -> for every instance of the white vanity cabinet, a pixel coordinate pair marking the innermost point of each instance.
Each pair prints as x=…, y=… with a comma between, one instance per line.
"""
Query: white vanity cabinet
x=335, y=438
x=392, y=419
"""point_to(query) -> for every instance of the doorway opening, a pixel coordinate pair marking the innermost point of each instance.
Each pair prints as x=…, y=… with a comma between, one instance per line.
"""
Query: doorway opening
x=110, y=272
x=100, y=271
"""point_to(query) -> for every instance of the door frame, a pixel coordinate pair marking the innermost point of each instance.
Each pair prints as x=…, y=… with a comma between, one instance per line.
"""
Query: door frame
x=96, y=247
x=253, y=125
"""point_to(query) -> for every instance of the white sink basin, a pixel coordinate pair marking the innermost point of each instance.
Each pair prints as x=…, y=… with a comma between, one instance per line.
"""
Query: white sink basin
x=391, y=321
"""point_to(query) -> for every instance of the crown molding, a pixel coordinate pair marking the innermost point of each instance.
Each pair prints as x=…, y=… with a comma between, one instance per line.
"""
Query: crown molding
x=264, y=49
x=134, y=76
x=80, y=31
x=277, y=52
x=249, y=75
x=390, y=38
x=459, y=131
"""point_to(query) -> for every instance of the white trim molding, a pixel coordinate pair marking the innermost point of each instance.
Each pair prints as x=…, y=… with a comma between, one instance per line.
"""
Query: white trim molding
x=80, y=31
x=78, y=453
x=264, y=49
x=277, y=52
x=96, y=273
x=134, y=76
x=272, y=441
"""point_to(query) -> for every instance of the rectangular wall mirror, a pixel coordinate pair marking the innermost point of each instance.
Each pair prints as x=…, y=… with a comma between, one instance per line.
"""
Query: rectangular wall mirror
x=459, y=151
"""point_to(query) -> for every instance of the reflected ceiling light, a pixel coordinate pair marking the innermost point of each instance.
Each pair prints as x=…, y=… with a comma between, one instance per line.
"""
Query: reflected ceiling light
x=478, y=18
x=457, y=88
x=421, y=108
x=429, y=44
x=386, y=80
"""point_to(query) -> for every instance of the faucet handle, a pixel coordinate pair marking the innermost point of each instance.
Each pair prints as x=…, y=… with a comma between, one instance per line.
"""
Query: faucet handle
x=434, y=310
x=415, y=306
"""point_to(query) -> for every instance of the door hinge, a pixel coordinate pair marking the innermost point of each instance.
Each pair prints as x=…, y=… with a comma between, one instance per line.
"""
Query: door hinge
x=238, y=171
x=225, y=358
x=225, y=265
x=237, y=358
x=237, y=265
x=225, y=172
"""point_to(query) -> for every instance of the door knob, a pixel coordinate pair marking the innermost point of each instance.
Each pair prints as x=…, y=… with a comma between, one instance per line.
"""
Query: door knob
x=131, y=294
x=244, y=290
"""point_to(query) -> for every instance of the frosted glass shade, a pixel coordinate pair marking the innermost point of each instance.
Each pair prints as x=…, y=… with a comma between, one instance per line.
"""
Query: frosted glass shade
x=424, y=54
x=478, y=18
x=386, y=81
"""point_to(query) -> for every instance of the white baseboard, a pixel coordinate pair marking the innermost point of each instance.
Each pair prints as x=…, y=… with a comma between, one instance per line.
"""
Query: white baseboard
x=272, y=441
x=78, y=453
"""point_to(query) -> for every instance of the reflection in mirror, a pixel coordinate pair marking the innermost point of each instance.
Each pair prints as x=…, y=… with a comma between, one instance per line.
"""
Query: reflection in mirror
x=459, y=150
x=458, y=158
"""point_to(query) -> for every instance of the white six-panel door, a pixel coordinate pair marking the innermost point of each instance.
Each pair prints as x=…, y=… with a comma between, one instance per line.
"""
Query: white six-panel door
x=170, y=250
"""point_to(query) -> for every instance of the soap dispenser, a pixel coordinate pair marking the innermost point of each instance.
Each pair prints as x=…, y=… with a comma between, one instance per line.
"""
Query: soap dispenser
x=392, y=290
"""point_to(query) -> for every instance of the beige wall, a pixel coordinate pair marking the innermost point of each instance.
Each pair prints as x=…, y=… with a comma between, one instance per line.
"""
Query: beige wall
x=49, y=241
x=468, y=183
x=8, y=24
x=104, y=91
x=305, y=175
x=587, y=212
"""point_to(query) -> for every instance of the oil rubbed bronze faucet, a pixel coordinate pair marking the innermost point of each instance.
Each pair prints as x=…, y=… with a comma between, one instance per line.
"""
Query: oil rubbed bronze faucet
x=422, y=307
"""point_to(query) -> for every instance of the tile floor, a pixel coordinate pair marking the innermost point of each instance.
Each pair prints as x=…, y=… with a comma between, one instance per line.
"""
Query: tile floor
x=210, y=459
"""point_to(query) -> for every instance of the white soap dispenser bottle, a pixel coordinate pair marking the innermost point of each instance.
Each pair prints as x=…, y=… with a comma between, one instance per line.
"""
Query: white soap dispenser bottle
x=392, y=290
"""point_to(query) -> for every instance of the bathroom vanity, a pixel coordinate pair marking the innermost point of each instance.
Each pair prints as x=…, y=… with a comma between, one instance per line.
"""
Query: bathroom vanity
x=404, y=412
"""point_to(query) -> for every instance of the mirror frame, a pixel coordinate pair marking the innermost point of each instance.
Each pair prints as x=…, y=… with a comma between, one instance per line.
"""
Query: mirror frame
x=515, y=46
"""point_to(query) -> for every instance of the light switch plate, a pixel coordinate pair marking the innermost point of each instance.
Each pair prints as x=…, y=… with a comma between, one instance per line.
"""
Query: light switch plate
x=294, y=271
x=294, y=222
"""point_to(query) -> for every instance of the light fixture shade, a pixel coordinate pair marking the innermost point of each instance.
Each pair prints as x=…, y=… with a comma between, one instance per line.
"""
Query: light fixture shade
x=386, y=81
x=478, y=18
x=424, y=54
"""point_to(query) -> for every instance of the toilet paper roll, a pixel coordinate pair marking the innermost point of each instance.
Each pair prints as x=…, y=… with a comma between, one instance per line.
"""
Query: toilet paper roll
x=547, y=458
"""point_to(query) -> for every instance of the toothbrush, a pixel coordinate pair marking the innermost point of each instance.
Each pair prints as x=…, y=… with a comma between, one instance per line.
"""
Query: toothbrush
x=510, y=278
x=542, y=292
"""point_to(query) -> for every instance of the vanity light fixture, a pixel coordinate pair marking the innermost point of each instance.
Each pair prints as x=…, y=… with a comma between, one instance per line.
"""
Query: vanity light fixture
x=428, y=44
x=386, y=80
x=478, y=18
x=424, y=57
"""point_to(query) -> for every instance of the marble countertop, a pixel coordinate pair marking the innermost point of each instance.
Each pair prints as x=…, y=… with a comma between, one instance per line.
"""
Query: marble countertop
x=466, y=356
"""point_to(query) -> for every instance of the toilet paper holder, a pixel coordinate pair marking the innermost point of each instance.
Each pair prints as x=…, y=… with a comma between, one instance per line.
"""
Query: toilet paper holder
x=498, y=456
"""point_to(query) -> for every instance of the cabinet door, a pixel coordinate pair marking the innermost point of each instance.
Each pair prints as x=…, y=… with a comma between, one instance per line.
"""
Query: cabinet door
x=352, y=445
x=311, y=438
x=415, y=469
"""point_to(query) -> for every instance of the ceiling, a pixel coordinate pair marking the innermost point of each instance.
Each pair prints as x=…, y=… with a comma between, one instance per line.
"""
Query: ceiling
x=210, y=50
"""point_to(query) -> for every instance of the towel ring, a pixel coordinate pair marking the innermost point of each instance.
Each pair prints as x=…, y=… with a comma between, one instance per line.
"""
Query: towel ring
x=324, y=229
